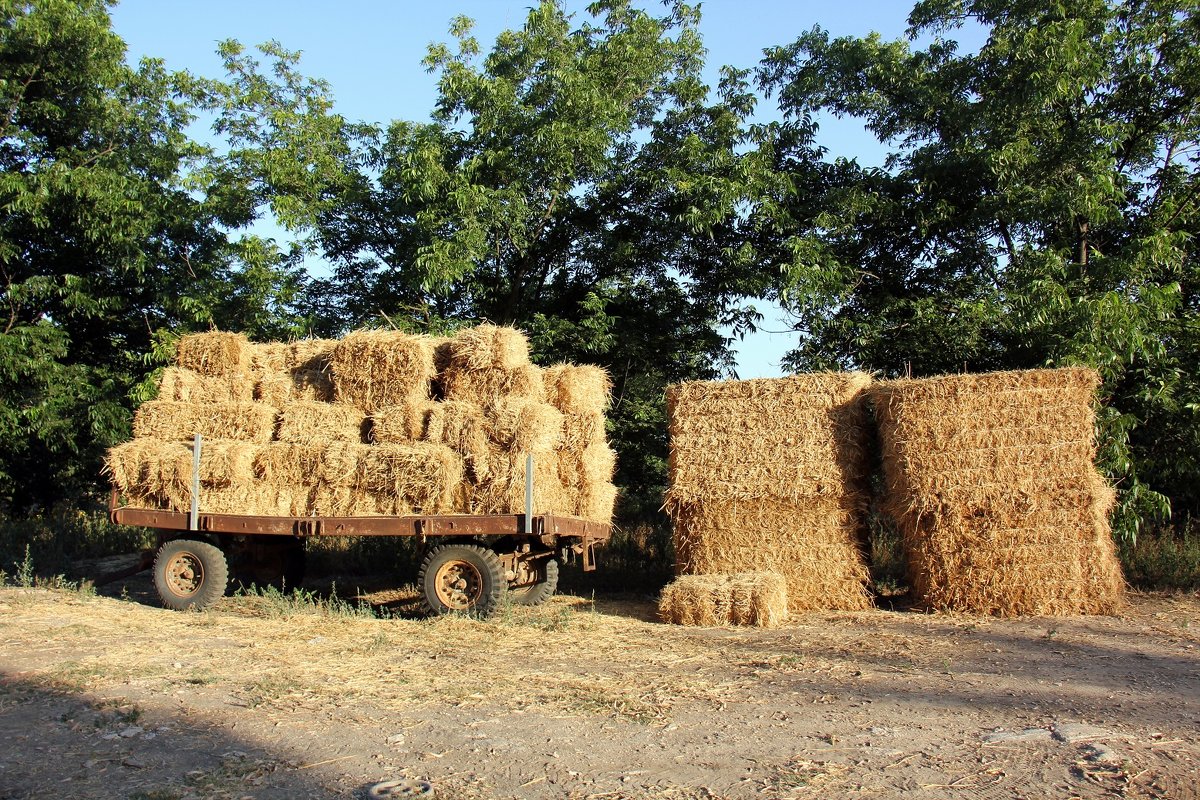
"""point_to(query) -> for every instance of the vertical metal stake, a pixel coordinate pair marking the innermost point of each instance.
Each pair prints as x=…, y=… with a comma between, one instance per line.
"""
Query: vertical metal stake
x=529, y=493
x=194, y=517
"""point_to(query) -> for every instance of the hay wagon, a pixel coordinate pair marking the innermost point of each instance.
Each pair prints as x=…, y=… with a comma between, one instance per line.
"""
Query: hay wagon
x=469, y=560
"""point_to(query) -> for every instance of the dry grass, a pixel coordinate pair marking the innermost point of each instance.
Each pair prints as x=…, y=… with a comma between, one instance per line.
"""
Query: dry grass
x=168, y=420
x=991, y=479
x=372, y=368
x=215, y=353
x=770, y=474
x=311, y=422
x=746, y=598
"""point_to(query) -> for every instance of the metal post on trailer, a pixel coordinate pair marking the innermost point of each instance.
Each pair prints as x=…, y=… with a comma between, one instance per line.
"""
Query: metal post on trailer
x=194, y=516
x=529, y=493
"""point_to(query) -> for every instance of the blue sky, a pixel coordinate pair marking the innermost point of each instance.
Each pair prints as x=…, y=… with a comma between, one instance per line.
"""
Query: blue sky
x=370, y=52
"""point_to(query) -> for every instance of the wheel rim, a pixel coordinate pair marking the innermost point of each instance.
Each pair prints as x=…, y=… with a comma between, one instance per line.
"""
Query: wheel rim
x=184, y=574
x=458, y=585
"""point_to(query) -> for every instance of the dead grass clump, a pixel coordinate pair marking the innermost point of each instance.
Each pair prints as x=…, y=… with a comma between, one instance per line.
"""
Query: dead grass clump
x=310, y=422
x=168, y=420
x=992, y=482
x=372, y=368
x=578, y=389
x=487, y=347
x=184, y=386
x=401, y=423
x=770, y=474
x=279, y=388
x=746, y=598
x=215, y=353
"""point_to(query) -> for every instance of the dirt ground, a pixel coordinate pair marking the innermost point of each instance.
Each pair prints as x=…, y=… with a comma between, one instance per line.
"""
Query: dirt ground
x=111, y=697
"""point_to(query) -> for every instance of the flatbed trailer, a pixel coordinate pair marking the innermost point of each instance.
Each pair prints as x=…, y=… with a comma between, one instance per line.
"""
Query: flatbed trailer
x=469, y=560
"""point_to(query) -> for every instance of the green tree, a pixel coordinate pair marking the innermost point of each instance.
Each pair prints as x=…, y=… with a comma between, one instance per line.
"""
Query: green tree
x=106, y=241
x=1038, y=207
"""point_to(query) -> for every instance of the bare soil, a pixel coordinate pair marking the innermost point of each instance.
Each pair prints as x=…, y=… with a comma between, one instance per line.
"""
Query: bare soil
x=110, y=697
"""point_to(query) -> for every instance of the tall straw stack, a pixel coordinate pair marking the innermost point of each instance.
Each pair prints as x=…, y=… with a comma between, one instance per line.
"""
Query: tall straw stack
x=770, y=474
x=991, y=479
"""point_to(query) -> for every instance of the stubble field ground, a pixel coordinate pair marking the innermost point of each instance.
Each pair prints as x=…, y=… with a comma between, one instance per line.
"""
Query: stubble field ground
x=262, y=697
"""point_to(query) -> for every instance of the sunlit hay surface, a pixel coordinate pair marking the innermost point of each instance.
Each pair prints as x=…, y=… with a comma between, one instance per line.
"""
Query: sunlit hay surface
x=745, y=598
x=278, y=388
x=215, y=353
x=375, y=368
x=771, y=474
x=504, y=490
x=487, y=347
x=313, y=422
x=417, y=478
x=519, y=425
x=185, y=386
x=461, y=426
x=165, y=419
x=402, y=422
x=991, y=479
x=578, y=389
x=486, y=386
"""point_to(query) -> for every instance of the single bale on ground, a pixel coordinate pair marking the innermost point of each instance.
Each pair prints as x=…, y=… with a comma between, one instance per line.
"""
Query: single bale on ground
x=168, y=420
x=746, y=598
x=372, y=368
x=771, y=474
x=311, y=422
x=992, y=482
x=215, y=353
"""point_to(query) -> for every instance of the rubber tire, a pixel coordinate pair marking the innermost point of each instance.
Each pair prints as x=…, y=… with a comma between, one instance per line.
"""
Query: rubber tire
x=214, y=574
x=491, y=574
x=541, y=591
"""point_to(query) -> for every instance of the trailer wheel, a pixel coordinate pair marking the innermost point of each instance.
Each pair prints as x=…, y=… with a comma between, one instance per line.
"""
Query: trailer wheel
x=190, y=574
x=462, y=577
x=538, y=593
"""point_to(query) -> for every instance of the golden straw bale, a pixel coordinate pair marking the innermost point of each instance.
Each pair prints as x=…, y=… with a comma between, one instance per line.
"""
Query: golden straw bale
x=214, y=353
x=486, y=387
x=342, y=464
x=309, y=355
x=169, y=420
x=521, y=425
x=488, y=347
x=597, y=501
x=582, y=429
x=311, y=422
x=442, y=349
x=279, y=388
x=285, y=464
x=746, y=598
x=150, y=468
x=577, y=389
x=268, y=357
x=373, y=368
x=504, y=490
x=595, y=464
x=461, y=427
x=991, y=480
x=812, y=543
x=402, y=422
x=184, y=386
x=412, y=478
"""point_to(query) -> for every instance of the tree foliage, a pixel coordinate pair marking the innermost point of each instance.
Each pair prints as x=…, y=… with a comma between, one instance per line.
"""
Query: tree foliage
x=1038, y=207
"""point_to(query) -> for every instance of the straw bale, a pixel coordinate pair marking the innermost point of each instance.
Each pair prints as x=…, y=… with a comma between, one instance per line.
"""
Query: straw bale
x=595, y=464
x=576, y=389
x=582, y=429
x=286, y=464
x=150, y=469
x=309, y=355
x=372, y=368
x=992, y=482
x=214, y=353
x=779, y=438
x=184, y=386
x=812, y=543
x=597, y=501
x=412, y=478
x=521, y=425
x=485, y=387
x=401, y=423
x=311, y=422
x=442, y=348
x=488, y=347
x=268, y=357
x=461, y=427
x=170, y=420
x=747, y=598
x=278, y=388
x=504, y=490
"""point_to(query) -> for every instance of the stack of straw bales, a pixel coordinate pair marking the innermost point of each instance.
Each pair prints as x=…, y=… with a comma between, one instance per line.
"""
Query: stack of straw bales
x=746, y=598
x=771, y=474
x=992, y=482
x=351, y=428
